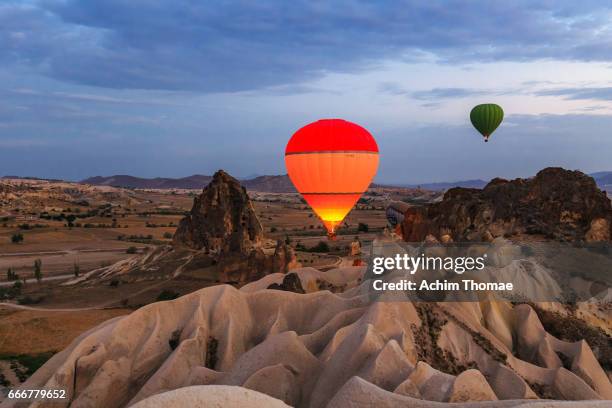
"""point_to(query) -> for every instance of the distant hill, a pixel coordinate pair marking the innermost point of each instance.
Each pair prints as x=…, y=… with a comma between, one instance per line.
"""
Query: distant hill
x=446, y=185
x=195, y=182
x=282, y=184
x=30, y=178
x=270, y=184
x=603, y=180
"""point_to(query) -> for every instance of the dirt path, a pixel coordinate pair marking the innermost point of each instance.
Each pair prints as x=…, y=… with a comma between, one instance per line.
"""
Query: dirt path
x=59, y=264
x=335, y=264
x=43, y=309
x=66, y=252
x=44, y=279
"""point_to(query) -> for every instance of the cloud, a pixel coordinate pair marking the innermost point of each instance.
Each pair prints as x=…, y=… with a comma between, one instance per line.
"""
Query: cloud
x=126, y=86
x=435, y=95
x=431, y=105
x=594, y=108
x=291, y=89
x=449, y=93
x=585, y=93
x=393, y=88
x=235, y=46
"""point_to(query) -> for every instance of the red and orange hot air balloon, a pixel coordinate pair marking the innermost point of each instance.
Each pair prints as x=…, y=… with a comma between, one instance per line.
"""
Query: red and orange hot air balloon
x=331, y=162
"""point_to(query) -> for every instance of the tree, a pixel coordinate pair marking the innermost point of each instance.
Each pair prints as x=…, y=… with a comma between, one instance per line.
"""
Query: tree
x=322, y=246
x=11, y=275
x=71, y=218
x=131, y=250
x=362, y=227
x=17, y=238
x=167, y=295
x=38, y=270
x=76, y=270
x=15, y=290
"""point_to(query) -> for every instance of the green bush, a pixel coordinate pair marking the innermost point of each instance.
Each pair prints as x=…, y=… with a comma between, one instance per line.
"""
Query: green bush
x=322, y=246
x=167, y=294
x=28, y=300
x=31, y=362
x=362, y=227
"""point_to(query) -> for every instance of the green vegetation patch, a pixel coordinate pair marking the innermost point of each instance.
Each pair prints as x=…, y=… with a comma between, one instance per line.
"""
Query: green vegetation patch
x=24, y=365
x=167, y=294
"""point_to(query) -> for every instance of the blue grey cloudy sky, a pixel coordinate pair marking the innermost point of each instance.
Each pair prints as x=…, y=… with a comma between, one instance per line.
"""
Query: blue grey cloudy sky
x=172, y=88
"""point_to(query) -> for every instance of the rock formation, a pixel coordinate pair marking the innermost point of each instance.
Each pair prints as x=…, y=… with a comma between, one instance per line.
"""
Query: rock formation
x=223, y=226
x=556, y=204
x=214, y=396
x=285, y=258
x=355, y=247
x=222, y=219
x=317, y=348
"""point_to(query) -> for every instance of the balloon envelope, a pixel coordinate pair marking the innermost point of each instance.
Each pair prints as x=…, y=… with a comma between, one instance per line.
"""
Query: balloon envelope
x=486, y=118
x=331, y=162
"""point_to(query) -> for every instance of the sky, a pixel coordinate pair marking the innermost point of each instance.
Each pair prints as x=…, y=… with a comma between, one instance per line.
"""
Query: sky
x=173, y=88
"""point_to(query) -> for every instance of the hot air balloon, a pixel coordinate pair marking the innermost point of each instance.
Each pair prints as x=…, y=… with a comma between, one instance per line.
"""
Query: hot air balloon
x=331, y=162
x=486, y=118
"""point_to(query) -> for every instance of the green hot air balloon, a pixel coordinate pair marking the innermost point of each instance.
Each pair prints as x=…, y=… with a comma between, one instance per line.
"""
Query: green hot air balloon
x=486, y=118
